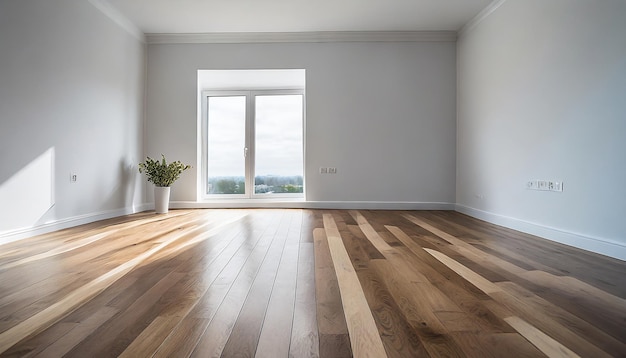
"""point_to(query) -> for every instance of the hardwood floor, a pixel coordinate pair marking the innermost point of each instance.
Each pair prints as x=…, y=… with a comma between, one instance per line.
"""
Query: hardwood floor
x=306, y=283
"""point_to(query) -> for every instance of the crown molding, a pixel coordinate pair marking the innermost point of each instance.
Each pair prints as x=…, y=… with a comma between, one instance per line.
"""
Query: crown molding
x=119, y=19
x=495, y=4
x=283, y=37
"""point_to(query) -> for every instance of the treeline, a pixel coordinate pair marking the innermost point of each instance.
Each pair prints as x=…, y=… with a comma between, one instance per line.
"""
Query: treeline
x=268, y=184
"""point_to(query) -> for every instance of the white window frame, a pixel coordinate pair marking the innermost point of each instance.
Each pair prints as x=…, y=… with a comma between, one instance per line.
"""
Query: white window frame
x=249, y=143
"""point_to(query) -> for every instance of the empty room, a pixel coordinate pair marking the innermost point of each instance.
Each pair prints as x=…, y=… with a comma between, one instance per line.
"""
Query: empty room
x=354, y=178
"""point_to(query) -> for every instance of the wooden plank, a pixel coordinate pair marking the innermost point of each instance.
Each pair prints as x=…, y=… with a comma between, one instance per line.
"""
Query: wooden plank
x=52, y=313
x=587, y=297
x=217, y=333
x=478, y=281
x=41, y=341
x=543, y=342
x=115, y=335
x=484, y=344
x=539, y=310
x=364, y=337
x=79, y=333
x=542, y=254
x=399, y=338
x=513, y=304
x=304, y=333
x=182, y=340
x=333, y=330
x=244, y=337
x=151, y=338
x=415, y=308
x=162, y=305
x=562, y=333
x=276, y=331
x=275, y=335
x=468, y=250
x=373, y=236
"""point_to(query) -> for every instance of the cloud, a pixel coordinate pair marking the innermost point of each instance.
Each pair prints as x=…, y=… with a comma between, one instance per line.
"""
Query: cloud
x=278, y=135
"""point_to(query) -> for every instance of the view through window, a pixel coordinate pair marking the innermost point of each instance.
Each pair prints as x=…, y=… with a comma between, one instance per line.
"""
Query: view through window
x=254, y=145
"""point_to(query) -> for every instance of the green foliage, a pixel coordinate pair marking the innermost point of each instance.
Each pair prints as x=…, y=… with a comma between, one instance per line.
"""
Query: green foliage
x=226, y=186
x=160, y=173
x=290, y=188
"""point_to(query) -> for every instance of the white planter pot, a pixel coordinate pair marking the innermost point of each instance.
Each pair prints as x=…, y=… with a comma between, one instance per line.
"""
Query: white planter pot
x=161, y=199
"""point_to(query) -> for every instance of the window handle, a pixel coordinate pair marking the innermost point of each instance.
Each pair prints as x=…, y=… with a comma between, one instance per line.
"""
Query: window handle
x=245, y=152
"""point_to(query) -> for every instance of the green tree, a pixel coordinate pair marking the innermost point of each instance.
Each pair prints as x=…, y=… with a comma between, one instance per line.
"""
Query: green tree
x=229, y=186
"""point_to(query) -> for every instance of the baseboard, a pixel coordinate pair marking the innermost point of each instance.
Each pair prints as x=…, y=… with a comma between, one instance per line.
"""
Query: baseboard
x=14, y=235
x=300, y=204
x=598, y=245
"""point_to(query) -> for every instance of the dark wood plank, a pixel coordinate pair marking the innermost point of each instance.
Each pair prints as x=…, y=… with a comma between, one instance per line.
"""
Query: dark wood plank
x=331, y=322
x=304, y=333
x=398, y=336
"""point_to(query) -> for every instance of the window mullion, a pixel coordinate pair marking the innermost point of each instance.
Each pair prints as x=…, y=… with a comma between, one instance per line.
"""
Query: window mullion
x=250, y=145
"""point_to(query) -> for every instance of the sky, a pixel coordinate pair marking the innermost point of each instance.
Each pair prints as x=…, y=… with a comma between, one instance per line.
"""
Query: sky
x=278, y=135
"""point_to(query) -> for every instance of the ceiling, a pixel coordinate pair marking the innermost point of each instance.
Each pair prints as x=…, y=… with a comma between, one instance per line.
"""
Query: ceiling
x=207, y=16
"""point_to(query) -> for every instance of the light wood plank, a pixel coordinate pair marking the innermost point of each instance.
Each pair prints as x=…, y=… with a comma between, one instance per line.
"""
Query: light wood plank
x=276, y=331
x=547, y=345
x=304, y=333
x=486, y=286
x=364, y=337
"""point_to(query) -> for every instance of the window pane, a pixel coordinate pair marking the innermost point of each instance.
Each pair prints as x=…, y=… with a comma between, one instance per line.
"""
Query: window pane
x=278, y=144
x=226, y=143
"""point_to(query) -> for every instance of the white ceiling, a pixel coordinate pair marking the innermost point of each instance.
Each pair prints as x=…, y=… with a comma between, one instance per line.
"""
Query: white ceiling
x=206, y=16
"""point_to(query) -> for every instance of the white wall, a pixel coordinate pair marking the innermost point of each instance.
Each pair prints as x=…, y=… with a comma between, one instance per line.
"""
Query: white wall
x=542, y=95
x=382, y=113
x=71, y=100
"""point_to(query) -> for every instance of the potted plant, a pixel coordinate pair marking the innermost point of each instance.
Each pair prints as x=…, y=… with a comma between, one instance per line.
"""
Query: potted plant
x=162, y=175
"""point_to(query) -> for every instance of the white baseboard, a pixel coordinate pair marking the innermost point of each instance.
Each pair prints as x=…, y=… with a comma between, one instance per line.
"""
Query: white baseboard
x=300, y=204
x=22, y=233
x=598, y=245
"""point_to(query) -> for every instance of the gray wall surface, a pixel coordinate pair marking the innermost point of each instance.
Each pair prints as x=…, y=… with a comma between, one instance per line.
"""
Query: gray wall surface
x=383, y=114
x=542, y=95
x=71, y=101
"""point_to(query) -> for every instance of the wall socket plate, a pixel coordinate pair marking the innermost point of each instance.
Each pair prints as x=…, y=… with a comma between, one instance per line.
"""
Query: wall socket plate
x=328, y=170
x=544, y=185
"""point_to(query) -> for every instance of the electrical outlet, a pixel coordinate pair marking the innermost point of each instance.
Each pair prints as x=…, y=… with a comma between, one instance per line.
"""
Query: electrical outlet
x=544, y=185
x=332, y=170
x=323, y=170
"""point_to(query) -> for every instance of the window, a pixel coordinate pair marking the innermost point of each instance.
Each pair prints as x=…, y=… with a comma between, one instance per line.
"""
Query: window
x=253, y=144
